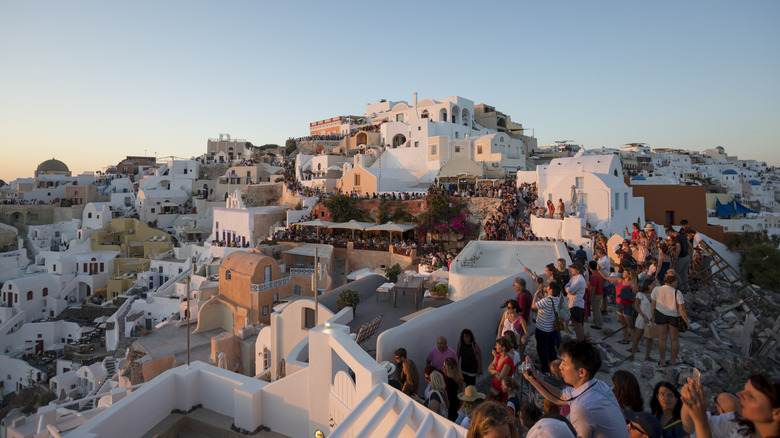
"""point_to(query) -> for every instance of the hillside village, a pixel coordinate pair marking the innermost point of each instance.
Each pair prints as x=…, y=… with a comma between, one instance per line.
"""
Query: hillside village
x=221, y=278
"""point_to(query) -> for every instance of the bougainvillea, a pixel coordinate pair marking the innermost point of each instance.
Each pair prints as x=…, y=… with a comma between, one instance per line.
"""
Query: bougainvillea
x=444, y=215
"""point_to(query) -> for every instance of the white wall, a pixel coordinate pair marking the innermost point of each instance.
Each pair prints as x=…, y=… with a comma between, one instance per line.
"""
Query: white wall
x=50, y=333
x=418, y=336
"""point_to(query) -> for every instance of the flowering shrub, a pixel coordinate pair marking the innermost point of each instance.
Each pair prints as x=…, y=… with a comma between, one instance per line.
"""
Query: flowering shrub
x=444, y=215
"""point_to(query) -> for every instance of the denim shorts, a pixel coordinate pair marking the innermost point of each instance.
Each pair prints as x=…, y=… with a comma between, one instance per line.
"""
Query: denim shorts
x=625, y=309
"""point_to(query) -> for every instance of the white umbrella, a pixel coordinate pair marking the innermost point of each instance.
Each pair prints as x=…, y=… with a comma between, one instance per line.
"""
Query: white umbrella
x=352, y=225
x=316, y=223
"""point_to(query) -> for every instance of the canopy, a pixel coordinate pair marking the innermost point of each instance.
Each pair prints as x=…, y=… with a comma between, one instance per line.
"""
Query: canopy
x=352, y=225
x=323, y=251
x=316, y=223
x=732, y=208
x=392, y=227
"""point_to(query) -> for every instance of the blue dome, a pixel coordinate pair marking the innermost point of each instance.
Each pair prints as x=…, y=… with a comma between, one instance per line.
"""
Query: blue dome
x=721, y=148
x=754, y=182
x=729, y=172
x=639, y=178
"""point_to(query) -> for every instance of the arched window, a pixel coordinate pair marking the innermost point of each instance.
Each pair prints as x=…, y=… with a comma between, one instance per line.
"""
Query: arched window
x=29, y=296
x=45, y=291
x=227, y=275
x=443, y=115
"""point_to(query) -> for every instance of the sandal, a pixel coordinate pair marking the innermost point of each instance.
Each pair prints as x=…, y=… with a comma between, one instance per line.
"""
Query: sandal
x=623, y=341
x=631, y=358
x=663, y=364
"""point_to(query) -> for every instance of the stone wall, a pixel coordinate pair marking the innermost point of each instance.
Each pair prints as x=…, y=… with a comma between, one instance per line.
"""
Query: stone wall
x=361, y=258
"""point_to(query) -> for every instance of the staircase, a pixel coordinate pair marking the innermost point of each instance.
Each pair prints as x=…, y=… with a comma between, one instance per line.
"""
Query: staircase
x=110, y=365
x=387, y=412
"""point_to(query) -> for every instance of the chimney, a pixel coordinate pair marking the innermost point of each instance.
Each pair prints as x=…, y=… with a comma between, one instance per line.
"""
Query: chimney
x=415, y=99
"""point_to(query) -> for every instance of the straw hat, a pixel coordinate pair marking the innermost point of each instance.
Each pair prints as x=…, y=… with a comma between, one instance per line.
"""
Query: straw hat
x=470, y=394
x=388, y=366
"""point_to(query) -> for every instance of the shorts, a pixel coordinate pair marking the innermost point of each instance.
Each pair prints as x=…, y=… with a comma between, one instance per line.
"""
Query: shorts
x=577, y=314
x=625, y=309
x=663, y=319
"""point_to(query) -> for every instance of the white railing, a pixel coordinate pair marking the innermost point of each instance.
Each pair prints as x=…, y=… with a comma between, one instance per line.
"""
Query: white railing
x=302, y=271
x=270, y=285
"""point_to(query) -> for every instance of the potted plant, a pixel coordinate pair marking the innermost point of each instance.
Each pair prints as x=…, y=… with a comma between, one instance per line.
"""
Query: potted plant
x=440, y=291
x=393, y=272
x=348, y=297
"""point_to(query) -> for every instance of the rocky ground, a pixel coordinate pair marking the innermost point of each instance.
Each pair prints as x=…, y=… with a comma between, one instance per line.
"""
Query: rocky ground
x=711, y=346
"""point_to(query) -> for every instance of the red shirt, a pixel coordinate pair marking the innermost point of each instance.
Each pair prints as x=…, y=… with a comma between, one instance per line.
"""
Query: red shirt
x=524, y=298
x=596, y=284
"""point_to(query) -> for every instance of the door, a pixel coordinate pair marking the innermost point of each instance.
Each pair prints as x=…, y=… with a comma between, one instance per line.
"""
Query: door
x=267, y=274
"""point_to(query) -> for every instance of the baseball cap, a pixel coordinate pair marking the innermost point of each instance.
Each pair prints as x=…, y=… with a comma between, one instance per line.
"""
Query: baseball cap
x=645, y=421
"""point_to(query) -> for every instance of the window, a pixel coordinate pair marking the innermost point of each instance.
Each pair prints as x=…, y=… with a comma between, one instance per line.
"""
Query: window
x=399, y=117
x=152, y=210
x=227, y=275
x=297, y=289
x=29, y=296
x=419, y=128
x=308, y=319
x=479, y=149
x=217, y=227
x=457, y=149
x=45, y=291
x=357, y=179
x=34, y=216
x=265, y=310
x=102, y=267
x=416, y=144
x=625, y=200
x=617, y=201
x=89, y=215
x=579, y=181
x=457, y=134
x=433, y=149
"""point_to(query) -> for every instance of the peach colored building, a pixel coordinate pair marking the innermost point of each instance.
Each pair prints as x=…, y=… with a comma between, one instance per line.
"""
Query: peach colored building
x=249, y=285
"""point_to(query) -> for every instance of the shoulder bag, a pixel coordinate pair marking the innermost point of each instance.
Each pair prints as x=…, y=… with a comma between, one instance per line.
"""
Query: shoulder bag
x=682, y=326
x=558, y=324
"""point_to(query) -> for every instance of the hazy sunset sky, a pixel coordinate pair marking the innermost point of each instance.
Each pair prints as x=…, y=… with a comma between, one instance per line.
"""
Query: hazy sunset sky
x=89, y=82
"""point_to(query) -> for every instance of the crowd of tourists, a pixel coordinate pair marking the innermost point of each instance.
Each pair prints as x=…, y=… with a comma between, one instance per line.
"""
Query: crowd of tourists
x=573, y=402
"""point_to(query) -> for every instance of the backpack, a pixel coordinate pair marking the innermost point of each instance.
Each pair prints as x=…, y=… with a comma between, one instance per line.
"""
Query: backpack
x=563, y=308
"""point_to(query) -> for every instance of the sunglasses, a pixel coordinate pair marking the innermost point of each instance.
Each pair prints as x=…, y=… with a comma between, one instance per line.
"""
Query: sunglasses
x=637, y=428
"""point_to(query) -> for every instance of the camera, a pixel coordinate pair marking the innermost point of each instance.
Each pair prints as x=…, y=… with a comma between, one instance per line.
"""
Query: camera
x=523, y=368
x=504, y=304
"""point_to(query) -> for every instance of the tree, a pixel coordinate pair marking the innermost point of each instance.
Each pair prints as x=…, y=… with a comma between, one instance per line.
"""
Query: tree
x=342, y=208
x=760, y=257
x=290, y=146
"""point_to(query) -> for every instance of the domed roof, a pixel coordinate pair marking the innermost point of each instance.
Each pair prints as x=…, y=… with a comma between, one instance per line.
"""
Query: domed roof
x=639, y=178
x=754, y=182
x=729, y=172
x=52, y=165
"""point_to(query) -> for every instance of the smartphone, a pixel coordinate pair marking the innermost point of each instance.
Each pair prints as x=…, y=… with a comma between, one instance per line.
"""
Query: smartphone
x=697, y=376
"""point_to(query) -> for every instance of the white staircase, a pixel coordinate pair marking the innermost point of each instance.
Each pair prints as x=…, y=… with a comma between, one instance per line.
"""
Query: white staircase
x=387, y=412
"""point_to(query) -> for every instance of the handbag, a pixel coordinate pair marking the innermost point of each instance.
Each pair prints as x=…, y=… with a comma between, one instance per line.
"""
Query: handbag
x=682, y=326
x=651, y=331
x=558, y=324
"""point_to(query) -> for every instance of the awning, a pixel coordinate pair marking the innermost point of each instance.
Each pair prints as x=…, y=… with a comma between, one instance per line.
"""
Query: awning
x=323, y=251
x=393, y=227
x=352, y=225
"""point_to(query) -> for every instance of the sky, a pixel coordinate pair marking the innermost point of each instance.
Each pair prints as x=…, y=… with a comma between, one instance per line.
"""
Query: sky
x=90, y=82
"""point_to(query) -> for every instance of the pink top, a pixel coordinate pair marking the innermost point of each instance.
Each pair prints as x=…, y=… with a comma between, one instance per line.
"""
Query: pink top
x=437, y=358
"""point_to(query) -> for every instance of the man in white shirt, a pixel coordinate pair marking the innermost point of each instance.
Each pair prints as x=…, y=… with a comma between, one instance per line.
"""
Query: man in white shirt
x=604, y=265
x=595, y=412
x=575, y=289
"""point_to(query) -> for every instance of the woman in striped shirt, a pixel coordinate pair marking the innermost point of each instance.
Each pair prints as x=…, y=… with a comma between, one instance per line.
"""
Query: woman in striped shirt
x=546, y=306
